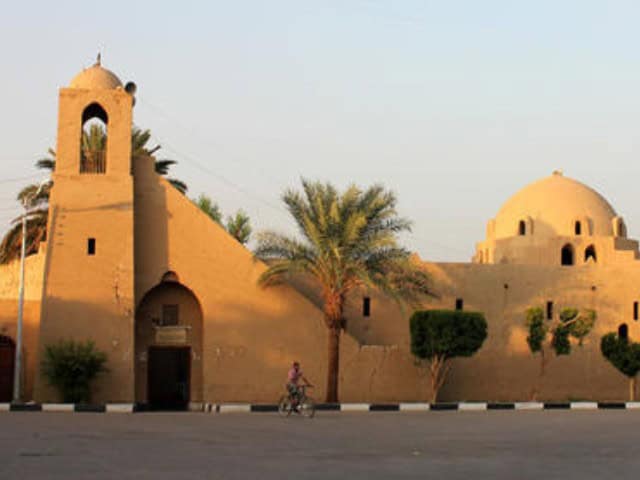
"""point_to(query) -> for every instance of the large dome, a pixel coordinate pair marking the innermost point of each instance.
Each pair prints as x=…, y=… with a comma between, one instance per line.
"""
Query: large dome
x=552, y=206
x=96, y=78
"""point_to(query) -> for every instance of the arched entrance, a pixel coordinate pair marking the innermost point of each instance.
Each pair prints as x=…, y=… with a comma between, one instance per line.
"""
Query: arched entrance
x=7, y=359
x=169, y=346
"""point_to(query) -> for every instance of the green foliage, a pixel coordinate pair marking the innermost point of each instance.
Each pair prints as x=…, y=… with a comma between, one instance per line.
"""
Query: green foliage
x=239, y=226
x=446, y=333
x=347, y=240
x=573, y=323
x=537, y=327
x=580, y=323
x=208, y=206
x=560, y=340
x=623, y=354
x=70, y=366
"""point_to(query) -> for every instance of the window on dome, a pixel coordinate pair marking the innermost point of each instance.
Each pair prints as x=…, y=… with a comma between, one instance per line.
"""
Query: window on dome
x=635, y=310
x=590, y=253
x=578, y=228
x=566, y=256
x=93, y=140
x=522, y=228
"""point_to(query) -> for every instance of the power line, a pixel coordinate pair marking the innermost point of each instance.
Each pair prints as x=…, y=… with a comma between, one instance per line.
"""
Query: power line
x=20, y=179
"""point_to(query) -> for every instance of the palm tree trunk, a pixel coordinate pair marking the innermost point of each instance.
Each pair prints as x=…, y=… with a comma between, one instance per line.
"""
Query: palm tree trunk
x=333, y=371
x=632, y=389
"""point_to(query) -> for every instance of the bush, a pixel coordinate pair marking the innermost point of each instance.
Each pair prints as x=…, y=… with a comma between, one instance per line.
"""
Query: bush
x=70, y=366
x=624, y=355
x=437, y=336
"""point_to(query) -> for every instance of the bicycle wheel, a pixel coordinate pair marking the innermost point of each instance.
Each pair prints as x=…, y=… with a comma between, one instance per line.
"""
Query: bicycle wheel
x=284, y=406
x=308, y=407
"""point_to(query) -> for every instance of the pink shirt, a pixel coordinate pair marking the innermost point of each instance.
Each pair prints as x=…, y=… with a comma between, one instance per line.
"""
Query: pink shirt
x=293, y=376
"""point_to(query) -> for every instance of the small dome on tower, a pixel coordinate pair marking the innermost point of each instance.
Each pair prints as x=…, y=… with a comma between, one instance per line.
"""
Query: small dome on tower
x=96, y=78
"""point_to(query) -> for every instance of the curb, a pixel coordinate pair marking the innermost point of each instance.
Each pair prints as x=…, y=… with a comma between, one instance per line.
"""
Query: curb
x=225, y=408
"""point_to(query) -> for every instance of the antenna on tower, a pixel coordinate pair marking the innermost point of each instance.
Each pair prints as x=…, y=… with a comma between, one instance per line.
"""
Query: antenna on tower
x=99, y=59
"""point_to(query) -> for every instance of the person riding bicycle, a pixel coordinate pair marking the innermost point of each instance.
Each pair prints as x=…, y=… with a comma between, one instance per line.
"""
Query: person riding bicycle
x=293, y=377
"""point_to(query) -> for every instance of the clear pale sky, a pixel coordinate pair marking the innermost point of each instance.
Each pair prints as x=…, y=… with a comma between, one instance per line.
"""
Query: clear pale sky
x=454, y=105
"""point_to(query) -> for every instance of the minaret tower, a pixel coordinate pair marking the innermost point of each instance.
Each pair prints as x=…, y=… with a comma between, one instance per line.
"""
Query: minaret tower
x=88, y=280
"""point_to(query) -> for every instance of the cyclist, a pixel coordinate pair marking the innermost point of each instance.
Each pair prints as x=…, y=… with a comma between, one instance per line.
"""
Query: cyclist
x=293, y=377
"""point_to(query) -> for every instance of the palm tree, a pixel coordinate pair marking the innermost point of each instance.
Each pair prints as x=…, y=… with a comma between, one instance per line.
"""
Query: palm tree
x=348, y=242
x=208, y=206
x=93, y=141
x=239, y=226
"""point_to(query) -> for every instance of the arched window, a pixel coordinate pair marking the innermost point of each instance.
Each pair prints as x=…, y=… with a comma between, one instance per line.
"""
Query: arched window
x=566, y=257
x=522, y=228
x=93, y=141
x=590, y=253
x=623, y=331
x=577, y=228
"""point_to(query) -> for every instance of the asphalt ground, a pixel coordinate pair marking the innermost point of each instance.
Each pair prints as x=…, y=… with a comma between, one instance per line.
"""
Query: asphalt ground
x=381, y=445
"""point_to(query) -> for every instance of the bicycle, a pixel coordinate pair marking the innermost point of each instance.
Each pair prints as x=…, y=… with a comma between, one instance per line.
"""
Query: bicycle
x=306, y=405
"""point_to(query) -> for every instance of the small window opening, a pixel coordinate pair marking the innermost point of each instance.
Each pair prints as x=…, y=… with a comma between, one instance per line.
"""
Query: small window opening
x=522, y=228
x=91, y=246
x=578, y=228
x=459, y=303
x=635, y=310
x=566, y=256
x=549, y=310
x=590, y=253
x=623, y=332
x=169, y=315
x=366, y=307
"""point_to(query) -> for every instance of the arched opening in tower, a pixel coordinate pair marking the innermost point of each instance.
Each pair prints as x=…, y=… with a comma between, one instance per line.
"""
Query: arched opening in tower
x=93, y=140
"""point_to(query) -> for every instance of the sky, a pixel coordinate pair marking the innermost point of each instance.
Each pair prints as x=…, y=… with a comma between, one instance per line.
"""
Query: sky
x=453, y=105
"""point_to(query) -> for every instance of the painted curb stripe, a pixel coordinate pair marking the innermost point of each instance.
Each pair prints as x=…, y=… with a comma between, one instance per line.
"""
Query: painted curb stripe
x=264, y=408
x=230, y=408
x=557, y=405
x=384, y=407
x=25, y=407
x=119, y=407
x=501, y=406
x=584, y=405
x=414, y=407
x=529, y=406
x=354, y=407
x=443, y=406
x=87, y=408
x=57, y=407
x=5, y=407
x=472, y=406
x=328, y=407
x=632, y=405
x=612, y=405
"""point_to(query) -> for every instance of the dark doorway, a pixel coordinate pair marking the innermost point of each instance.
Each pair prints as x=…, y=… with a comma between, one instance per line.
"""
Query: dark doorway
x=566, y=256
x=7, y=357
x=169, y=372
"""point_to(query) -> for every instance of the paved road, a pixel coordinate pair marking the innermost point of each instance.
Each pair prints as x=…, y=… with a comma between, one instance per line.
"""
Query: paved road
x=438, y=445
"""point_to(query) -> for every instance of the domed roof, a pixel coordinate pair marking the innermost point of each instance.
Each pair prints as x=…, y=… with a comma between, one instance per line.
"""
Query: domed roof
x=96, y=78
x=553, y=205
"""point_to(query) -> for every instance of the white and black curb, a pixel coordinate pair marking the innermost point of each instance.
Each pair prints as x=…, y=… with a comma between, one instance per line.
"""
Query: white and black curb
x=229, y=408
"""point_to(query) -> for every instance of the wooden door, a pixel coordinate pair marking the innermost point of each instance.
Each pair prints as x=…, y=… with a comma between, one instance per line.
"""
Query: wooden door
x=168, y=378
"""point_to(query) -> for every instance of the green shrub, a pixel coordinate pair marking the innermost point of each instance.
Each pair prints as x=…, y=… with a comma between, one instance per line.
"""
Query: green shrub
x=70, y=366
x=624, y=355
x=437, y=336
